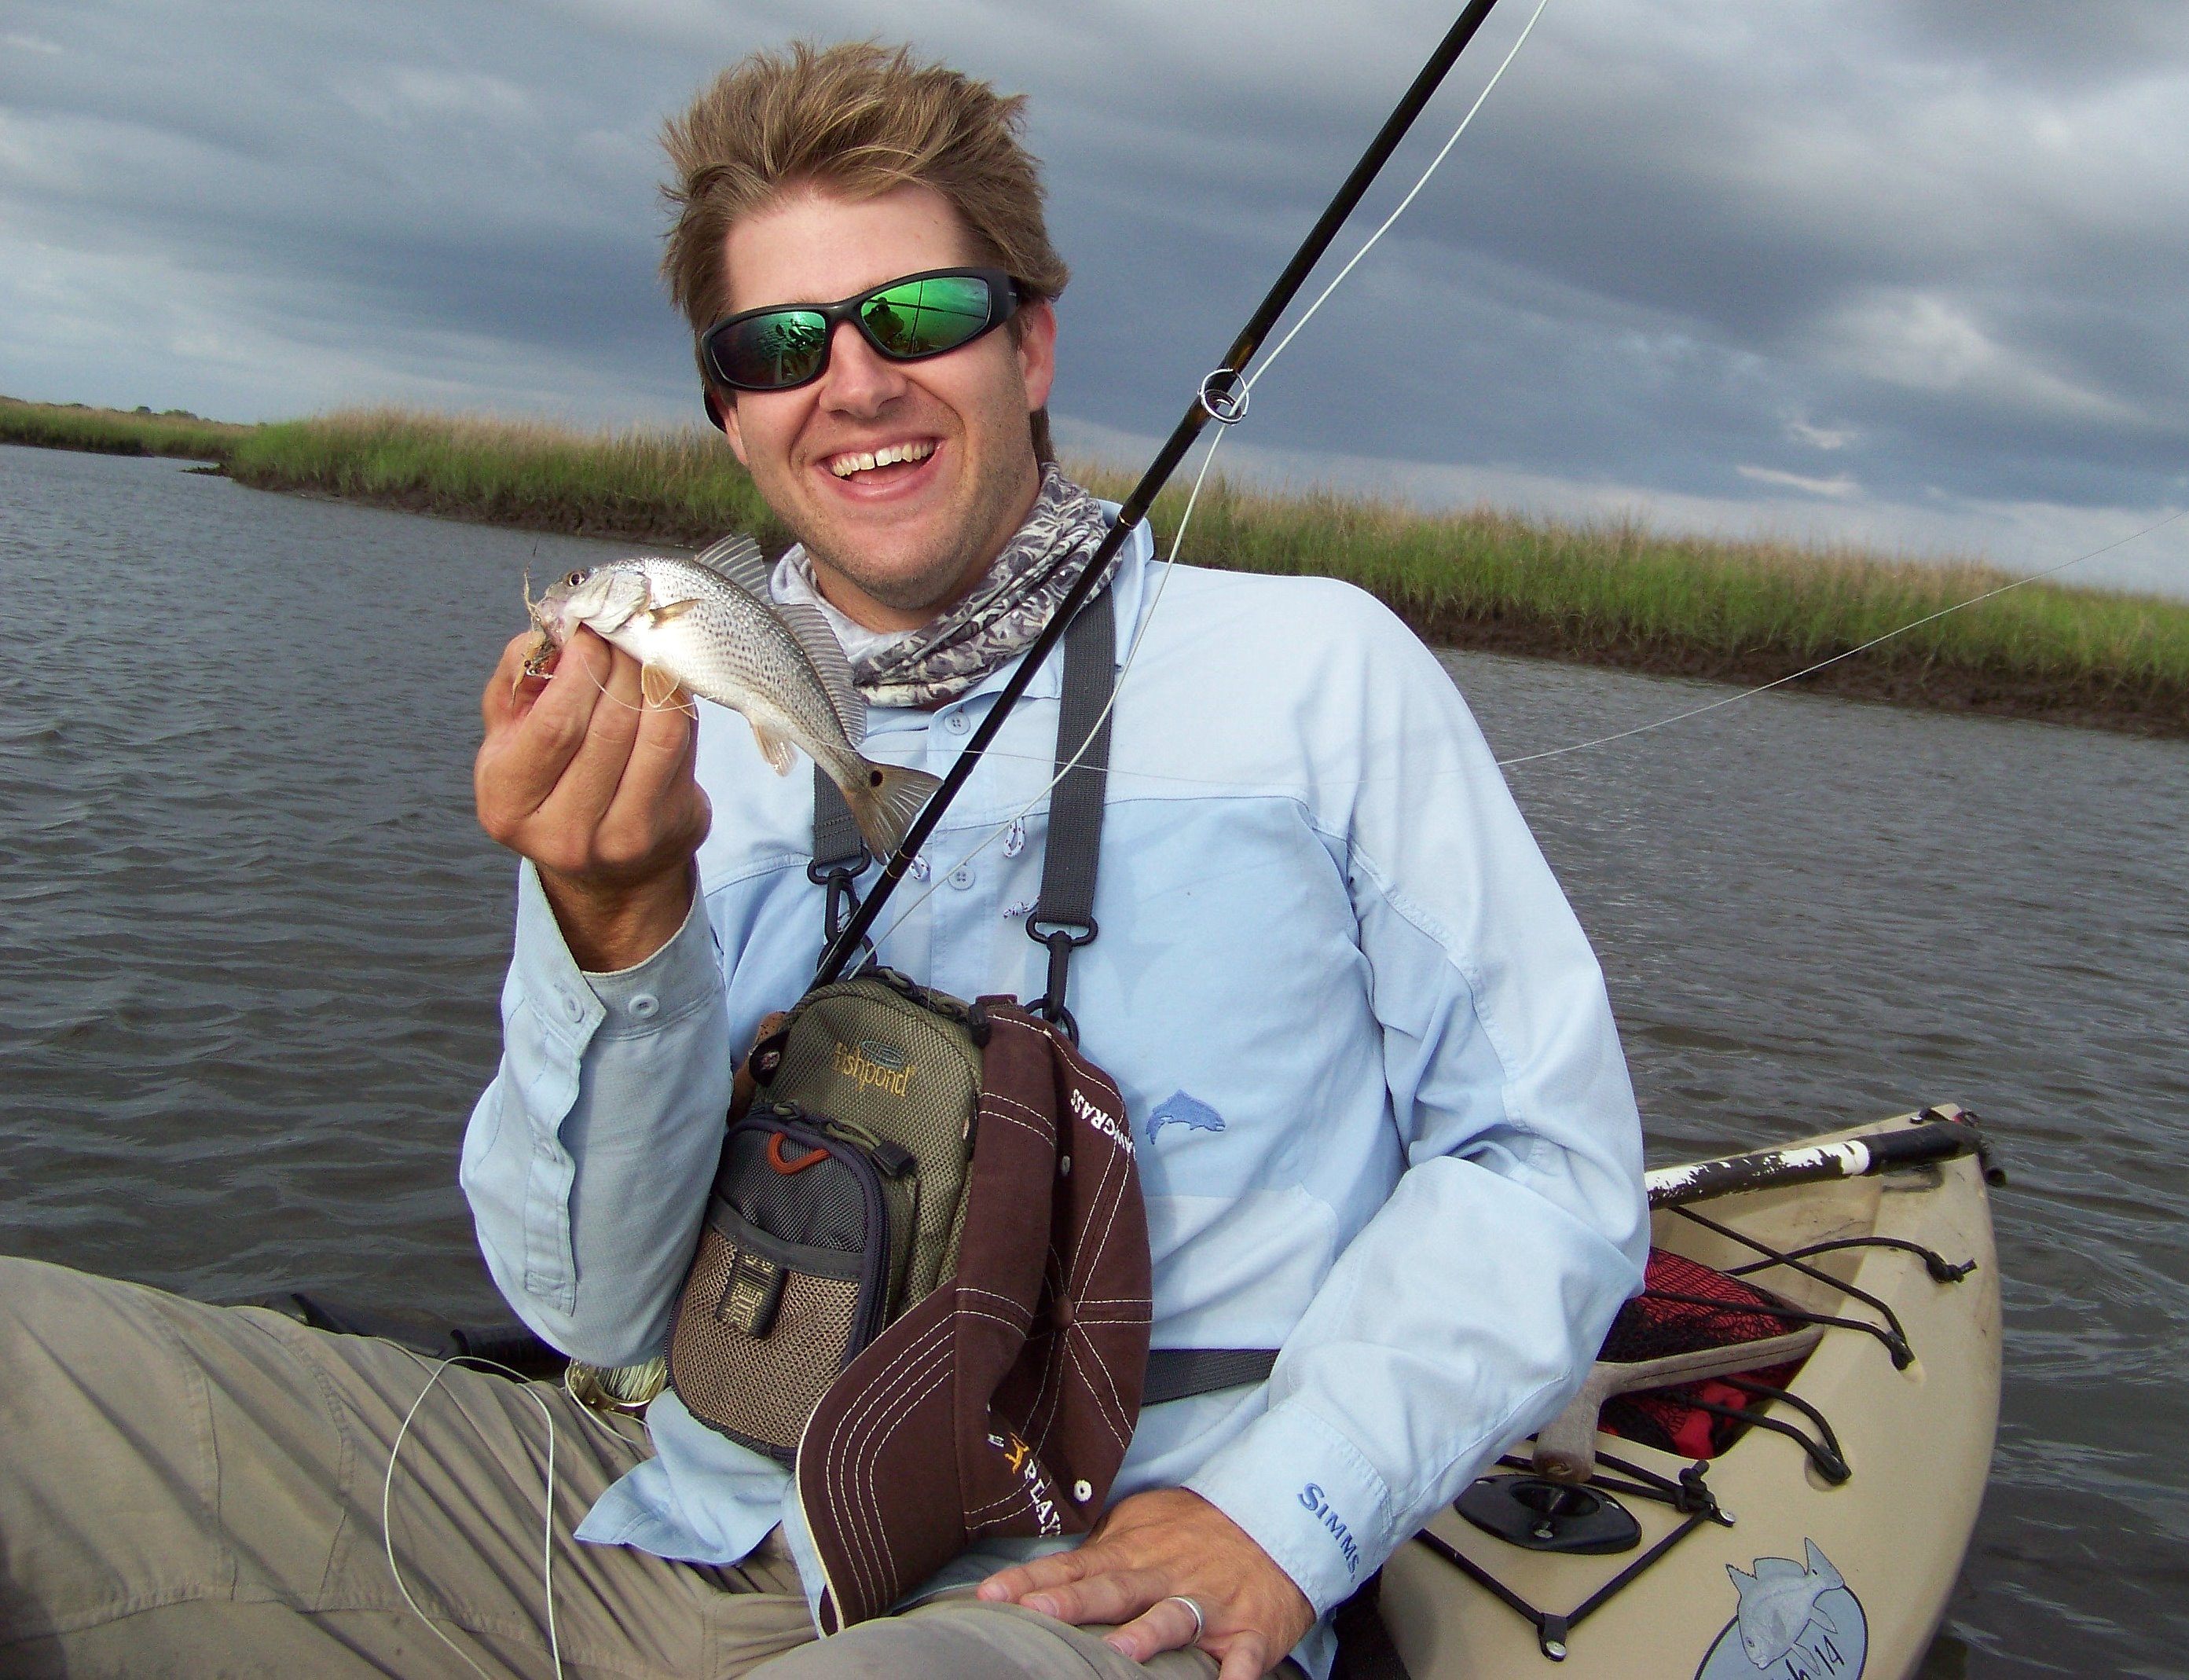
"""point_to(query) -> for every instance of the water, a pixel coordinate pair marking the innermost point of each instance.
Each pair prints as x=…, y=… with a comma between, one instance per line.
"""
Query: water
x=249, y=941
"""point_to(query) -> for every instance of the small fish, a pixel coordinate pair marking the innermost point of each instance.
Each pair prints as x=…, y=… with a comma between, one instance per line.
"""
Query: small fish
x=1779, y=1600
x=711, y=626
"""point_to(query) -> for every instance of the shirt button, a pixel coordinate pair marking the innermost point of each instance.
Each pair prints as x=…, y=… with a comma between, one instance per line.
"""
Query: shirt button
x=961, y=879
x=644, y=1005
x=572, y=1008
x=956, y=723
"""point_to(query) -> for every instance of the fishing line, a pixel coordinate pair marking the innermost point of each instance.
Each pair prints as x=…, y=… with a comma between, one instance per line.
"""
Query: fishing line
x=1178, y=537
x=1811, y=671
x=547, y=1501
x=1132, y=654
x=1338, y=279
x=1219, y=397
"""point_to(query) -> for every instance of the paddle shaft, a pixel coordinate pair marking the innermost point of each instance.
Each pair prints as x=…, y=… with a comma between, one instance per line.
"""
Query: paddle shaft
x=1222, y=381
x=1806, y=1163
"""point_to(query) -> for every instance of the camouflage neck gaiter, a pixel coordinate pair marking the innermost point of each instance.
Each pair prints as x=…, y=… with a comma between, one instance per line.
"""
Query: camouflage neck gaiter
x=997, y=620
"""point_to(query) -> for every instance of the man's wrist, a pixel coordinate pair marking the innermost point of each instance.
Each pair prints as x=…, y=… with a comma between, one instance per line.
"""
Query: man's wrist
x=609, y=928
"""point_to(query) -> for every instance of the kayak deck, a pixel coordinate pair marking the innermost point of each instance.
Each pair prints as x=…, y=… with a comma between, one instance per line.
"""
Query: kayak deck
x=1865, y=1566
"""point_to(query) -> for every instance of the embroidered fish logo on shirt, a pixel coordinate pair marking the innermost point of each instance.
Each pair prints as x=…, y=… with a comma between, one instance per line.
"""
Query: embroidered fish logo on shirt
x=1779, y=1601
x=1181, y=1109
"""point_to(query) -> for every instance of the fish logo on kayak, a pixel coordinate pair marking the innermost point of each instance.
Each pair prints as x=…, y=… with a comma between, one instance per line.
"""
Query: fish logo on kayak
x=1793, y=1621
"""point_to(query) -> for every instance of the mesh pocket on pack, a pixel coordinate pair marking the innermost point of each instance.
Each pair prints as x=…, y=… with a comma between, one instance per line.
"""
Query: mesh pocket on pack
x=790, y=1281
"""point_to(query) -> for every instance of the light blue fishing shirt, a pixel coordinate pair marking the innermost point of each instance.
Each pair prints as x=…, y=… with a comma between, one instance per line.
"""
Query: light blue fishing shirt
x=1381, y=1117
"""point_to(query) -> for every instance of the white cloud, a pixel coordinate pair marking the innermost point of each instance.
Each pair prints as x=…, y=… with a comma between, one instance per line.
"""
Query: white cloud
x=1925, y=342
x=1841, y=487
x=1820, y=436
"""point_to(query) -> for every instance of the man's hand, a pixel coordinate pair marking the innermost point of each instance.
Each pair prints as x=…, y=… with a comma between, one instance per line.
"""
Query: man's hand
x=1154, y=1545
x=578, y=774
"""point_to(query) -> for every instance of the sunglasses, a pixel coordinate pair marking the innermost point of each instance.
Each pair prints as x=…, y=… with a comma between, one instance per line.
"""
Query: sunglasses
x=906, y=321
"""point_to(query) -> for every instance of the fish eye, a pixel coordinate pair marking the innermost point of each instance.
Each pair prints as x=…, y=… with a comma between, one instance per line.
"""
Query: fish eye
x=575, y=580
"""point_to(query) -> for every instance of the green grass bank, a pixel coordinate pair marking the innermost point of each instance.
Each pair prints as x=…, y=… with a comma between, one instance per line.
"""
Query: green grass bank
x=1615, y=594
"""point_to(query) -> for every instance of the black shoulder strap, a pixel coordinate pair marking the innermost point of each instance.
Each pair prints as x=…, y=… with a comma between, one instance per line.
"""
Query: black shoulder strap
x=839, y=855
x=1064, y=918
x=1066, y=910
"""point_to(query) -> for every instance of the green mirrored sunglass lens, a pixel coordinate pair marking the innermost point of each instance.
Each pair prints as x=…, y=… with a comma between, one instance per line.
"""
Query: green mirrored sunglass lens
x=922, y=317
x=780, y=348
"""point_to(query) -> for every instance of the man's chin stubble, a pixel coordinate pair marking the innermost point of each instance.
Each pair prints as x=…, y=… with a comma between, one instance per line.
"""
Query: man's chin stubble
x=929, y=589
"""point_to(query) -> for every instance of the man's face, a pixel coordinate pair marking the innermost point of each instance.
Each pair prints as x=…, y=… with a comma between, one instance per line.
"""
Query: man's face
x=892, y=545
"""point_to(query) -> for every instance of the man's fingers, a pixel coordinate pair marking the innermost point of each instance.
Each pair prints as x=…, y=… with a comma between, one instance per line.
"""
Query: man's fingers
x=518, y=771
x=1010, y=1585
x=1246, y=1658
x=605, y=682
x=1166, y=1626
x=499, y=702
x=1103, y=1596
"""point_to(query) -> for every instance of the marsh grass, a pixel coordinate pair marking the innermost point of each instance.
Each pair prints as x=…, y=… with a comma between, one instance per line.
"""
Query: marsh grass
x=669, y=484
x=71, y=426
x=1614, y=592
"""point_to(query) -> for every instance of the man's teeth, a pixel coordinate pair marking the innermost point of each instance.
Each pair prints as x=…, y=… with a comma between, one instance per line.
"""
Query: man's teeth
x=844, y=466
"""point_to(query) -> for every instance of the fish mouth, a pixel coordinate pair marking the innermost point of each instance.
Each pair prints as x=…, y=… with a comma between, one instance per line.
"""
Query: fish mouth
x=900, y=458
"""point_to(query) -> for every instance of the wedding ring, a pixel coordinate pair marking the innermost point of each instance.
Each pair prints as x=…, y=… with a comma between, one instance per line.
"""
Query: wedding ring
x=1200, y=1621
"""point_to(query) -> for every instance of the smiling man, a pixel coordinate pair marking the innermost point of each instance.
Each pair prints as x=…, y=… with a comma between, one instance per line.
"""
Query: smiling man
x=1412, y=1163
x=1381, y=1119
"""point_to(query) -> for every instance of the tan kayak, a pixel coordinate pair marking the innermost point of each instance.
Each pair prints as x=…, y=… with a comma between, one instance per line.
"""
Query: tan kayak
x=1789, y=1574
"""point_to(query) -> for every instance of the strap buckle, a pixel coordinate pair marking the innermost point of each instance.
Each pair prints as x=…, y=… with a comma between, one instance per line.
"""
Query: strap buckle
x=1062, y=941
x=840, y=875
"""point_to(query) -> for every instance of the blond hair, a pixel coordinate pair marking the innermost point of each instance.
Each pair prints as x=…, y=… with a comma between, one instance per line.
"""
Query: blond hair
x=858, y=119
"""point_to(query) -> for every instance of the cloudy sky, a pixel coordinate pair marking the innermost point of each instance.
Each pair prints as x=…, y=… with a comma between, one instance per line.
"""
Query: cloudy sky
x=1900, y=271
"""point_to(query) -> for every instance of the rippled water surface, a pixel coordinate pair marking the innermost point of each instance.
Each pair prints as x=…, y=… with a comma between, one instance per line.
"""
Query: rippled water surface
x=249, y=941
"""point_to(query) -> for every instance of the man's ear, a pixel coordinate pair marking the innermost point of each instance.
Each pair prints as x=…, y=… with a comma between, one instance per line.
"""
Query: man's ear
x=1036, y=344
x=727, y=411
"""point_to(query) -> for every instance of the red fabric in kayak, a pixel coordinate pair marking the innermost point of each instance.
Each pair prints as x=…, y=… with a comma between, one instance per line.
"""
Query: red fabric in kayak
x=1649, y=1327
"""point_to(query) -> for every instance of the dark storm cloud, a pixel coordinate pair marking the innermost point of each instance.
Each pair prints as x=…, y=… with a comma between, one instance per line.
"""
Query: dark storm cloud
x=1919, y=252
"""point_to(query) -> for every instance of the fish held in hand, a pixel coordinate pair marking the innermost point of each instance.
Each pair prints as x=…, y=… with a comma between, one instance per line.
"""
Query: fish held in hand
x=710, y=625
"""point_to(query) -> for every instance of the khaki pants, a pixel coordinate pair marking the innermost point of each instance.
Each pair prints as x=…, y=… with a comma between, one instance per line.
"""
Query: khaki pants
x=194, y=1490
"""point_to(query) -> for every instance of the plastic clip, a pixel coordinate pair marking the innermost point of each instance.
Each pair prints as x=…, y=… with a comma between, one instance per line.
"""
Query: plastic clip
x=1064, y=938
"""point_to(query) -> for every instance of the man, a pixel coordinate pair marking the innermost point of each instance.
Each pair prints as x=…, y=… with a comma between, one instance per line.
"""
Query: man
x=1381, y=1120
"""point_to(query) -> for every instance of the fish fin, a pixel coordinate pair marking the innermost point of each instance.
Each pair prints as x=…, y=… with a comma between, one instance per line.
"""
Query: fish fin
x=1740, y=1576
x=658, y=684
x=1778, y=1569
x=826, y=655
x=773, y=748
x=1818, y=1613
x=1821, y=1567
x=736, y=559
x=886, y=801
x=672, y=612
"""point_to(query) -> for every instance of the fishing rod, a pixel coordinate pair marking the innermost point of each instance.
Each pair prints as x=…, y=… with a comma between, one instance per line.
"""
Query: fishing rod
x=1221, y=397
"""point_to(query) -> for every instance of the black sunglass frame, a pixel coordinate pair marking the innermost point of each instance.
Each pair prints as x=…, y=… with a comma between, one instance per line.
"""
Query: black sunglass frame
x=1003, y=301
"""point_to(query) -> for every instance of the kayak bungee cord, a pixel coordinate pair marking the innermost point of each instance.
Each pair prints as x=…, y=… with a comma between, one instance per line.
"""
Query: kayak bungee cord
x=1221, y=397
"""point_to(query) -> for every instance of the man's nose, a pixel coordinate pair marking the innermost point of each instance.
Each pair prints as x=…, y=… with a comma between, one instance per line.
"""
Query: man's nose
x=860, y=380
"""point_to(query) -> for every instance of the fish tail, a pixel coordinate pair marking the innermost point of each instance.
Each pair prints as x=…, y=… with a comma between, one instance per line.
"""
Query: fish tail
x=884, y=799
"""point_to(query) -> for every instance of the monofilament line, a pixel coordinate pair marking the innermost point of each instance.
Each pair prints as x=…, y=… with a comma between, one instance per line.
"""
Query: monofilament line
x=1811, y=671
x=1132, y=654
x=1338, y=279
x=547, y=1513
x=1178, y=537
